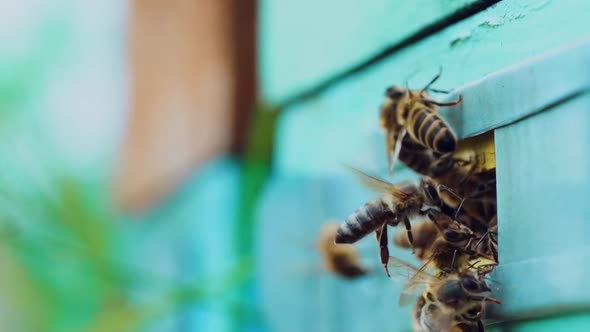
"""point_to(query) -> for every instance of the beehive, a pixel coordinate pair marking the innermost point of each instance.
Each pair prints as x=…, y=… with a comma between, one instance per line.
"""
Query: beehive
x=523, y=68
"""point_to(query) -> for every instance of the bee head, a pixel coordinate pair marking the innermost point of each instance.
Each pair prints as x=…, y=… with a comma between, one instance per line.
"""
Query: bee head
x=430, y=192
x=474, y=285
x=395, y=92
x=455, y=236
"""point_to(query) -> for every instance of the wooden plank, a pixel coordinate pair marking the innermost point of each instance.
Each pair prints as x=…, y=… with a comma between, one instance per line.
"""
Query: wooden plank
x=340, y=126
x=574, y=322
x=295, y=294
x=302, y=42
x=543, y=191
x=520, y=90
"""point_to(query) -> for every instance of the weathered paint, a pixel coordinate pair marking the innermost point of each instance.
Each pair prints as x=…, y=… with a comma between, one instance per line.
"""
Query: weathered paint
x=340, y=126
x=303, y=41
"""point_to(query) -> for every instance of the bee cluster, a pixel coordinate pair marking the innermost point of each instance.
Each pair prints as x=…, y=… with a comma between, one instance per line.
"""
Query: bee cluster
x=455, y=237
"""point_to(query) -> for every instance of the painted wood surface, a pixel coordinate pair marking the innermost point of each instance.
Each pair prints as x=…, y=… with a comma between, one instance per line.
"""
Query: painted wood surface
x=296, y=295
x=340, y=126
x=543, y=194
x=304, y=41
x=541, y=163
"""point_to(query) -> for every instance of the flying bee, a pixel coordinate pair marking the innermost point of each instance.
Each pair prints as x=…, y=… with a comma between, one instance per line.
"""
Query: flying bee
x=452, y=303
x=396, y=206
x=340, y=259
x=412, y=112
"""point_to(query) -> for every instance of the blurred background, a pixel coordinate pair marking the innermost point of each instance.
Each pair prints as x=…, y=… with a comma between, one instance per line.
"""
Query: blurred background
x=122, y=124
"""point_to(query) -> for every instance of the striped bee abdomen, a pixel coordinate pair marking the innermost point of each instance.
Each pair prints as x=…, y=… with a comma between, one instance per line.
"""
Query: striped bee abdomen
x=415, y=156
x=430, y=130
x=364, y=221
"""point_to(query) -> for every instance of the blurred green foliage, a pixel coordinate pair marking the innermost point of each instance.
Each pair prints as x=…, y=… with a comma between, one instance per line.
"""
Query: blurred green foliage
x=63, y=268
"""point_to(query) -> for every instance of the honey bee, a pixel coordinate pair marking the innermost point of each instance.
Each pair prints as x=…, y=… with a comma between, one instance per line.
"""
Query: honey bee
x=449, y=249
x=473, y=194
x=416, y=157
x=425, y=233
x=488, y=243
x=412, y=112
x=340, y=259
x=477, y=207
x=452, y=303
x=396, y=206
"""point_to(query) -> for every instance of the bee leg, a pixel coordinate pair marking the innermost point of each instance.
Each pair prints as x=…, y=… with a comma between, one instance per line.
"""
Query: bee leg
x=467, y=248
x=480, y=327
x=452, y=192
x=451, y=103
x=481, y=239
x=409, y=230
x=452, y=267
x=381, y=235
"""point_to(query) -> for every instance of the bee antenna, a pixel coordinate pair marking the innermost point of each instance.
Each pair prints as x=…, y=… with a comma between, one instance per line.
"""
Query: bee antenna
x=485, y=298
x=487, y=233
x=433, y=80
x=446, y=92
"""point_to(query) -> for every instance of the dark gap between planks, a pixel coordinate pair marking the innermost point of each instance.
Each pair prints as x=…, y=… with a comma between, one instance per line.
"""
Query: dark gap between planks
x=427, y=31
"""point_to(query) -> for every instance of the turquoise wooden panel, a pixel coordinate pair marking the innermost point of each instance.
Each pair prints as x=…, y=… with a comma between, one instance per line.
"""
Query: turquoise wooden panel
x=301, y=42
x=542, y=168
x=295, y=294
x=340, y=126
x=185, y=242
x=575, y=323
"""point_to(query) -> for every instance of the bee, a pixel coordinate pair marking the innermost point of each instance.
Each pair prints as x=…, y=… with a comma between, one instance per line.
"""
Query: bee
x=396, y=206
x=449, y=249
x=425, y=233
x=478, y=207
x=452, y=303
x=412, y=112
x=340, y=259
x=473, y=194
x=416, y=157
x=488, y=243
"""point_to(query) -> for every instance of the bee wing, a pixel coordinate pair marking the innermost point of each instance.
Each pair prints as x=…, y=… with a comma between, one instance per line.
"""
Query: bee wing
x=411, y=276
x=401, y=271
x=390, y=143
x=414, y=285
x=397, y=149
x=378, y=184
